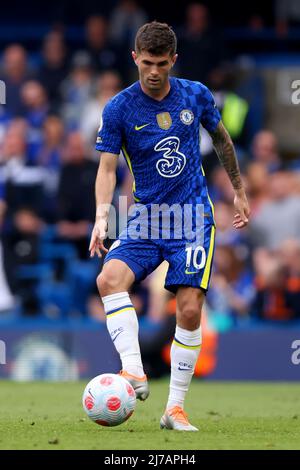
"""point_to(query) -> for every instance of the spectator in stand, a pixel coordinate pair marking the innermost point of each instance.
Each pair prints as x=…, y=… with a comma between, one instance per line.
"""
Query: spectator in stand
x=23, y=183
x=103, y=55
x=232, y=291
x=15, y=72
x=276, y=298
x=50, y=158
x=126, y=19
x=35, y=101
x=50, y=155
x=265, y=150
x=17, y=126
x=257, y=186
x=36, y=110
x=234, y=112
x=7, y=300
x=279, y=219
x=21, y=244
x=289, y=254
x=54, y=68
x=77, y=89
x=76, y=200
x=201, y=48
x=108, y=84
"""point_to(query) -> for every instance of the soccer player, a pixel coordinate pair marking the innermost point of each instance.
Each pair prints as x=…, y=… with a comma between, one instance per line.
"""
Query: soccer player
x=156, y=122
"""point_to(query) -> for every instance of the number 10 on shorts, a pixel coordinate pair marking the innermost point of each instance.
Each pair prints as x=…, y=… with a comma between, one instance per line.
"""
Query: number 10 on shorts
x=196, y=257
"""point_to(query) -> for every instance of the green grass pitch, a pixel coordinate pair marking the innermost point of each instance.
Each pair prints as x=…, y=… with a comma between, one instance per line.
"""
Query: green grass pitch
x=229, y=416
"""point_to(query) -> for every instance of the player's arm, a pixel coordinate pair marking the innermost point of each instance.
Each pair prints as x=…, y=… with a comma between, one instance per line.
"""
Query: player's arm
x=104, y=190
x=226, y=153
x=109, y=142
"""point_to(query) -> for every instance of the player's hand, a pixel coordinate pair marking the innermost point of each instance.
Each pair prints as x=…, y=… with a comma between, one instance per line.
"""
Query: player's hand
x=98, y=235
x=241, y=205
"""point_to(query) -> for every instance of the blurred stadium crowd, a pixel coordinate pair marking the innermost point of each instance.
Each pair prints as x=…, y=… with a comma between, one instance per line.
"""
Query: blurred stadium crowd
x=48, y=165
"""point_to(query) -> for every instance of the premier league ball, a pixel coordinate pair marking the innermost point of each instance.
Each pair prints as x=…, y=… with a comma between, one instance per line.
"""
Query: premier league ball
x=109, y=400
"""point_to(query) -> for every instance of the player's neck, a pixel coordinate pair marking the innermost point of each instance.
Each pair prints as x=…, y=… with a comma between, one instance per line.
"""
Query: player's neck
x=158, y=95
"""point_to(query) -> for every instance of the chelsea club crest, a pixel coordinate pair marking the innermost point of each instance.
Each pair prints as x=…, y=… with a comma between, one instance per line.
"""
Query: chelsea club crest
x=187, y=116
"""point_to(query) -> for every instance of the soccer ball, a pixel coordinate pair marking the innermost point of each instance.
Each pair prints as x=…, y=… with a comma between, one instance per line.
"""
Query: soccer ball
x=109, y=400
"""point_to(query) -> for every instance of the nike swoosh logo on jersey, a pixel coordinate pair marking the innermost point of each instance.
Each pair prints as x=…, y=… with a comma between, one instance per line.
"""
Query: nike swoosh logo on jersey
x=183, y=368
x=138, y=128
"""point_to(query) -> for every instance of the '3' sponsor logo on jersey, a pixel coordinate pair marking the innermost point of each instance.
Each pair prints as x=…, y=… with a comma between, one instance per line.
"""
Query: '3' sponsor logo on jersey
x=173, y=161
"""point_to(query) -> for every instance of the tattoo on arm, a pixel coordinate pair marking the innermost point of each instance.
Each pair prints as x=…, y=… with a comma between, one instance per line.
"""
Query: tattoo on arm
x=225, y=150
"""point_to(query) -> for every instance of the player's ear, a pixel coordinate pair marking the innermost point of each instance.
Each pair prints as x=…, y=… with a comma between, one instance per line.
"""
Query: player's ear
x=174, y=58
x=134, y=55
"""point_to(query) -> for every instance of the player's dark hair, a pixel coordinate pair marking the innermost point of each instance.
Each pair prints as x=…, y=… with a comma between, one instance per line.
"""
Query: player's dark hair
x=156, y=38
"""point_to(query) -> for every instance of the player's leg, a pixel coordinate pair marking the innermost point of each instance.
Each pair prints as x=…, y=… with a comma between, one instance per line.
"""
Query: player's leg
x=186, y=344
x=118, y=274
x=114, y=283
x=184, y=355
x=189, y=279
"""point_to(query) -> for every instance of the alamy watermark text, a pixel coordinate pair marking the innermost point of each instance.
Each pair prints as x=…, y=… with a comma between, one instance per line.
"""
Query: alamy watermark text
x=2, y=92
x=2, y=352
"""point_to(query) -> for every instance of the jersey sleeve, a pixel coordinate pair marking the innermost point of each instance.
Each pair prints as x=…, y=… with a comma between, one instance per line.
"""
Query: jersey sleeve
x=210, y=117
x=109, y=138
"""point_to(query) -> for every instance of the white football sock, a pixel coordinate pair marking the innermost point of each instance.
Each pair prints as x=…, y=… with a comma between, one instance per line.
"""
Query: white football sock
x=184, y=354
x=123, y=327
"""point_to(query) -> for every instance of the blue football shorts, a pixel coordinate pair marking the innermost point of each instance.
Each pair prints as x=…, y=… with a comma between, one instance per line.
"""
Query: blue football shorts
x=190, y=264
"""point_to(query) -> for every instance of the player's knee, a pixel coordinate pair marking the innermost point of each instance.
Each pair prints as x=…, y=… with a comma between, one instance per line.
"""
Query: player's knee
x=190, y=317
x=107, y=283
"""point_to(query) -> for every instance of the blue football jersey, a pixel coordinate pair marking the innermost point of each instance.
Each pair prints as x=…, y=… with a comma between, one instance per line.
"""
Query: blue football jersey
x=160, y=140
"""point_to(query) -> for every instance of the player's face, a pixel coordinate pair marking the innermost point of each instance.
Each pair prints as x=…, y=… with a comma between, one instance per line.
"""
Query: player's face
x=154, y=70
